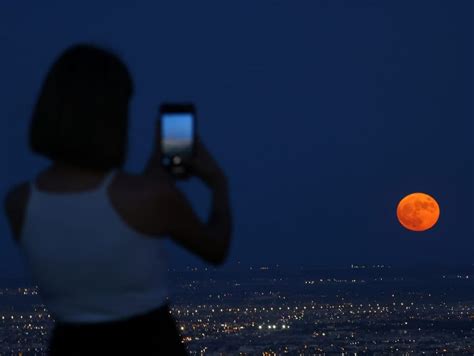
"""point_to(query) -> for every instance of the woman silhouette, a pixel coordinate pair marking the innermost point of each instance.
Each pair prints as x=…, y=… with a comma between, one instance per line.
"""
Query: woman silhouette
x=91, y=234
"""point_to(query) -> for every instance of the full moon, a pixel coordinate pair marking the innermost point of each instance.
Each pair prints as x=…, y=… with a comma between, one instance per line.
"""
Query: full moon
x=418, y=212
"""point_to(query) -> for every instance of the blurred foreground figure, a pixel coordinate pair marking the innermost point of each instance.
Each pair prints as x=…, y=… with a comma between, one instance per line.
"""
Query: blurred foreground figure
x=91, y=234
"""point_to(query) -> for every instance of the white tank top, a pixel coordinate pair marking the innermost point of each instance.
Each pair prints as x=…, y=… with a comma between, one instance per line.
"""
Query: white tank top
x=90, y=266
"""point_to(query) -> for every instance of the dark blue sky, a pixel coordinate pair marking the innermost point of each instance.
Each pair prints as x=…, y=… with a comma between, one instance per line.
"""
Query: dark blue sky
x=323, y=114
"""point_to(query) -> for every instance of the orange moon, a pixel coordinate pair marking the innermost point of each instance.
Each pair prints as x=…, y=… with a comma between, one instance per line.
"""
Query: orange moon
x=418, y=212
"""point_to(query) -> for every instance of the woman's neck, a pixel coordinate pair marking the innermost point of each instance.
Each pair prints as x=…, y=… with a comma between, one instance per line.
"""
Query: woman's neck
x=62, y=167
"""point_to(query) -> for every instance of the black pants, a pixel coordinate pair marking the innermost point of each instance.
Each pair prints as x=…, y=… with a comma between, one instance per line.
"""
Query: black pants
x=154, y=333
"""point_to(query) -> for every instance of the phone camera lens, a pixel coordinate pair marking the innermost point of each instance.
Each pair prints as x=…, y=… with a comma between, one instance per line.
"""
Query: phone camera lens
x=177, y=160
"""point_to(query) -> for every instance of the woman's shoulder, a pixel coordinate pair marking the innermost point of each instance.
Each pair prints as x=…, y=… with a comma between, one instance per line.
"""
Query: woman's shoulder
x=141, y=186
x=132, y=194
x=17, y=192
x=141, y=201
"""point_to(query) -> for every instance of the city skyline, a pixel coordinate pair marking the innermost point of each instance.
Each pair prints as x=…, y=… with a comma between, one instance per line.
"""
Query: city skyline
x=261, y=311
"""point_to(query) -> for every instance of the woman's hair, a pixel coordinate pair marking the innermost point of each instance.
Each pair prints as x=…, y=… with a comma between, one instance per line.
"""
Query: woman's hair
x=81, y=116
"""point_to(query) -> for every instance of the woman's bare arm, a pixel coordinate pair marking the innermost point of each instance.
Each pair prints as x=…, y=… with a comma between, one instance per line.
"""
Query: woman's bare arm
x=209, y=240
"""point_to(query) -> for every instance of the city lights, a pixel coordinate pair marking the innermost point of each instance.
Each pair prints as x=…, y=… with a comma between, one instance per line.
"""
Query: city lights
x=257, y=313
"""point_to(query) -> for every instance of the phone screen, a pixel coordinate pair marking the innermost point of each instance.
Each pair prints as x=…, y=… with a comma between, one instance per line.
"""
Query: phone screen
x=177, y=135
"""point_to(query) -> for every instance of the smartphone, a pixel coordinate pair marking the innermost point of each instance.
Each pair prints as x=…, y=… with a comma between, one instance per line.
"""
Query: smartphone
x=178, y=136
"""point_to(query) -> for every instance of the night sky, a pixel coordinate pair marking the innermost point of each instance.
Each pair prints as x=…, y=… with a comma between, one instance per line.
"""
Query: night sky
x=323, y=114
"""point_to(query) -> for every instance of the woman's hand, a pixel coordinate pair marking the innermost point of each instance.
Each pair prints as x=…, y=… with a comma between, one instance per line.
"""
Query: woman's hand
x=205, y=167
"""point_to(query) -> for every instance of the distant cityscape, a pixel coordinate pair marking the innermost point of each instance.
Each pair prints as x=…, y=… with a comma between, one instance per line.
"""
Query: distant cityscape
x=270, y=310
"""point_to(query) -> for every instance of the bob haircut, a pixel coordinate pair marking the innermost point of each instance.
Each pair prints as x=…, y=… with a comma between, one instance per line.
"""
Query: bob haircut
x=81, y=116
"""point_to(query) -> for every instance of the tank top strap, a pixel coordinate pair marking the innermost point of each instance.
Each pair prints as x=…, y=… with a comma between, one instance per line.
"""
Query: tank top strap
x=108, y=178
